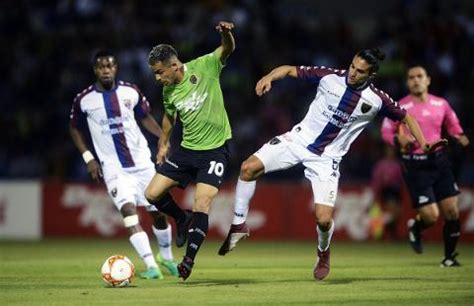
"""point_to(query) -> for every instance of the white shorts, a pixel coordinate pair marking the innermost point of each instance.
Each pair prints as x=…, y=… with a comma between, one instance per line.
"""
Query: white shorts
x=128, y=186
x=283, y=152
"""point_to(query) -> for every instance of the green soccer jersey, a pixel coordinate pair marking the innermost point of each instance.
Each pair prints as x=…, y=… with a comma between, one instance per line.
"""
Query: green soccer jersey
x=199, y=102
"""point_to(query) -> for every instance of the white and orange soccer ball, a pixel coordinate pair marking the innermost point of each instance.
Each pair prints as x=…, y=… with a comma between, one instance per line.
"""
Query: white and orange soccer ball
x=118, y=271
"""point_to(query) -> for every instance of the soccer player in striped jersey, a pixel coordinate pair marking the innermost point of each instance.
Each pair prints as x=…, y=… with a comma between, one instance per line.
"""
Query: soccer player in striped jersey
x=428, y=177
x=110, y=107
x=344, y=104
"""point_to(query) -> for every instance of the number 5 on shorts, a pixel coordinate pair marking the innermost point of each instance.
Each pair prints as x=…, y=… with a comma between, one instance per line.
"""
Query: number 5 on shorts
x=217, y=168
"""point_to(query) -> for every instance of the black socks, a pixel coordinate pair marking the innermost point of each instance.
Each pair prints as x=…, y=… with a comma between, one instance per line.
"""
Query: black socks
x=451, y=233
x=197, y=233
x=168, y=206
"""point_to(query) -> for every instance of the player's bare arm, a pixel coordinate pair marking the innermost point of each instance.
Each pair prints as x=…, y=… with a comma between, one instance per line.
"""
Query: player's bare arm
x=405, y=140
x=264, y=85
x=164, y=143
x=150, y=124
x=93, y=167
x=227, y=40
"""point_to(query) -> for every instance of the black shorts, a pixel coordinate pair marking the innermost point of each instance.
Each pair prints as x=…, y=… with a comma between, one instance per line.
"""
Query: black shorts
x=206, y=166
x=430, y=180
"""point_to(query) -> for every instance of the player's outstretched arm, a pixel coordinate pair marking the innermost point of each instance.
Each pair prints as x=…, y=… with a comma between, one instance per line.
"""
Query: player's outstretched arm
x=227, y=40
x=164, y=142
x=264, y=85
x=93, y=167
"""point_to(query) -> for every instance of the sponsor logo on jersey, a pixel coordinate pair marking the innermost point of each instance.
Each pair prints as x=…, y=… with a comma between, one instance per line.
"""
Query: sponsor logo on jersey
x=193, y=79
x=193, y=103
x=113, y=192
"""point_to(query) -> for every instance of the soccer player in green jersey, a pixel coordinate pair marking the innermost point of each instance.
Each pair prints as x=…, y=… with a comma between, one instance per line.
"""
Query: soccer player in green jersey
x=192, y=91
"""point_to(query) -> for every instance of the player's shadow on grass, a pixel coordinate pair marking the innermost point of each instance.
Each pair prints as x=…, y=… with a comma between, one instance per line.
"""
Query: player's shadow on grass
x=218, y=282
x=236, y=282
x=349, y=280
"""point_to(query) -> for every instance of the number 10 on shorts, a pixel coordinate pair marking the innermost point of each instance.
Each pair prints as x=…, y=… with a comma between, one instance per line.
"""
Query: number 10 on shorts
x=216, y=168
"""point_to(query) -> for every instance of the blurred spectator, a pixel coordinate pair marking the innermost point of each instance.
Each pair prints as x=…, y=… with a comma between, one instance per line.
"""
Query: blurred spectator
x=386, y=185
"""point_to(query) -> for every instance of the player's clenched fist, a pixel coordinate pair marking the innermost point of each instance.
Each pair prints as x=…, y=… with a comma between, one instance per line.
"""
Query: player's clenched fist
x=224, y=27
x=94, y=170
x=263, y=86
x=162, y=154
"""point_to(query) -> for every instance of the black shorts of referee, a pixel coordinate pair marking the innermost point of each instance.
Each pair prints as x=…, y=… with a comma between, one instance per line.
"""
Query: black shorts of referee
x=428, y=177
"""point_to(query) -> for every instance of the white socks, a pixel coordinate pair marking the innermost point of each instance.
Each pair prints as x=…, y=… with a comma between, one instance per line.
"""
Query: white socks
x=142, y=245
x=324, y=238
x=243, y=193
x=164, y=241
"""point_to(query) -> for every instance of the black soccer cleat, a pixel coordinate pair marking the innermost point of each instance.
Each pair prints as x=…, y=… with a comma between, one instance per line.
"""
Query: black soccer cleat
x=182, y=228
x=236, y=233
x=450, y=261
x=185, y=268
x=414, y=236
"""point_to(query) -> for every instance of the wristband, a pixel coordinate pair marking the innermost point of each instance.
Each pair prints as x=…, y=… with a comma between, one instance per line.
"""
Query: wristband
x=87, y=156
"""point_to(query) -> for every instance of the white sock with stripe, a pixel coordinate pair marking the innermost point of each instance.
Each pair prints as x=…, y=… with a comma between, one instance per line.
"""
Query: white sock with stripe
x=324, y=238
x=142, y=245
x=244, y=192
x=164, y=242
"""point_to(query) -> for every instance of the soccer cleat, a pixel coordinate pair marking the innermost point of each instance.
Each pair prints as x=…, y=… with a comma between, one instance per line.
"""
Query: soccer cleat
x=182, y=228
x=414, y=236
x=450, y=261
x=321, y=268
x=236, y=233
x=170, y=265
x=152, y=273
x=185, y=268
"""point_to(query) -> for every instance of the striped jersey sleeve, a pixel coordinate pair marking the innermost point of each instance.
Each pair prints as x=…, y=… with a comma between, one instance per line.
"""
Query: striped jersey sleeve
x=390, y=108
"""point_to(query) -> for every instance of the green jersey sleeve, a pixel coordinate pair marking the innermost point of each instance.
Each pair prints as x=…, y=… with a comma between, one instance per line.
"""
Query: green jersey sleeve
x=211, y=63
x=169, y=107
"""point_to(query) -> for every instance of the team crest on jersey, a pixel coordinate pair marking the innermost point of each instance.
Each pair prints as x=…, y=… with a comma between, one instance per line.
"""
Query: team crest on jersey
x=193, y=79
x=365, y=107
x=128, y=103
x=113, y=192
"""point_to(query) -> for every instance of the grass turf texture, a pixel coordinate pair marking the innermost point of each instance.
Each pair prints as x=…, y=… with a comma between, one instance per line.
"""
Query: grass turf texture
x=67, y=272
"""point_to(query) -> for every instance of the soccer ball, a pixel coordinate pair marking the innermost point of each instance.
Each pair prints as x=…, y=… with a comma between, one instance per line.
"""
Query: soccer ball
x=118, y=271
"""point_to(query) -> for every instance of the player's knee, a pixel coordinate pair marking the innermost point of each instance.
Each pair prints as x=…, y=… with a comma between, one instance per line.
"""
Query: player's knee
x=151, y=194
x=451, y=214
x=202, y=204
x=430, y=218
x=128, y=209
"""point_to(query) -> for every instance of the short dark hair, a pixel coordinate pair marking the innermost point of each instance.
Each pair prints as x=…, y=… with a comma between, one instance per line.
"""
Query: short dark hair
x=161, y=53
x=101, y=53
x=373, y=56
x=414, y=65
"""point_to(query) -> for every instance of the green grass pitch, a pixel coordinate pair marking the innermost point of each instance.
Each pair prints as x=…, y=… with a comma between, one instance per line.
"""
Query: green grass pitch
x=67, y=272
